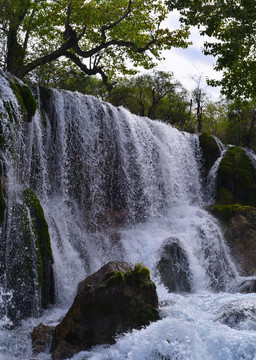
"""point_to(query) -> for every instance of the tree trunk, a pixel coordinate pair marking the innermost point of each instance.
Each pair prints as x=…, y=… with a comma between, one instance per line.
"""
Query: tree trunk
x=15, y=54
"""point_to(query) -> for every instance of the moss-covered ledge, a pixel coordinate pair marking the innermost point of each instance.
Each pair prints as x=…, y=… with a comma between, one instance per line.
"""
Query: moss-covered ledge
x=43, y=245
x=25, y=98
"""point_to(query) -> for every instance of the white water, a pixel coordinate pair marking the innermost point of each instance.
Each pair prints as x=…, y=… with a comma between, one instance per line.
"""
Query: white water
x=116, y=187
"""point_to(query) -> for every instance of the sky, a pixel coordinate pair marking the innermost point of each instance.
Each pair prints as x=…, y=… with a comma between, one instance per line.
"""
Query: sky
x=190, y=63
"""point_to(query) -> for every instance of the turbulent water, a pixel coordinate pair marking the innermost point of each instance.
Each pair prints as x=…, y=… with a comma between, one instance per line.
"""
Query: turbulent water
x=115, y=186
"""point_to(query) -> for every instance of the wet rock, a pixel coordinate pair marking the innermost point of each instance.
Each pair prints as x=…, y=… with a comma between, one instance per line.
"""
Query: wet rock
x=27, y=269
x=115, y=218
x=239, y=315
x=173, y=267
x=239, y=225
x=210, y=150
x=44, y=250
x=247, y=286
x=98, y=277
x=41, y=338
x=118, y=303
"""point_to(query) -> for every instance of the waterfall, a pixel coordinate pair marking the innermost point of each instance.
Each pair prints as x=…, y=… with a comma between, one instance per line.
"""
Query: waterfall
x=113, y=186
x=101, y=174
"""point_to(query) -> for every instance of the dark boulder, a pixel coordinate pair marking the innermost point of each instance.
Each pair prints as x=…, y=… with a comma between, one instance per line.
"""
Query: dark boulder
x=173, y=267
x=118, y=303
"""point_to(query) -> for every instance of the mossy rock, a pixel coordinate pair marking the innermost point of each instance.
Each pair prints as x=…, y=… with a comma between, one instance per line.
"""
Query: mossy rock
x=123, y=301
x=210, y=150
x=226, y=212
x=237, y=174
x=45, y=257
x=225, y=197
x=20, y=265
x=45, y=95
x=25, y=98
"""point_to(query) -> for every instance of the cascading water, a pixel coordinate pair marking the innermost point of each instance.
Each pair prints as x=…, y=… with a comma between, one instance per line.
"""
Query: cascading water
x=114, y=186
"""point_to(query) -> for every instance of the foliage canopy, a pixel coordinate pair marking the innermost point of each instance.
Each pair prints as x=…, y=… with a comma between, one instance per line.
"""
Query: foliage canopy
x=156, y=95
x=98, y=36
x=231, y=26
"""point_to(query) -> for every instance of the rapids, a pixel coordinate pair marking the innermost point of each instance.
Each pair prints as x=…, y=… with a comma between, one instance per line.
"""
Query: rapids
x=114, y=186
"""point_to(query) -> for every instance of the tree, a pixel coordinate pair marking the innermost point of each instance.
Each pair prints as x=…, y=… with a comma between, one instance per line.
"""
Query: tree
x=232, y=27
x=241, y=123
x=98, y=36
x=156, y=95
x=199, y=96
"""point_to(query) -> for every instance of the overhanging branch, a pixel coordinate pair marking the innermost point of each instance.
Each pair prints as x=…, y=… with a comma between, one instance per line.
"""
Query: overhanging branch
x=110, y=26
x=90, y=71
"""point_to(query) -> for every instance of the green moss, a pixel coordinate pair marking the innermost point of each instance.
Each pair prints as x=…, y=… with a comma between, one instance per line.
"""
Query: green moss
x=25, y=98
x=225, y=197
x=210, y=150
x=147, y=315
x=139, y=276
x=226, y=212
x=237, y=174
x=29, y=101
x=39, y=222
x=116, y=278
x=144, y=273
x=40, y=228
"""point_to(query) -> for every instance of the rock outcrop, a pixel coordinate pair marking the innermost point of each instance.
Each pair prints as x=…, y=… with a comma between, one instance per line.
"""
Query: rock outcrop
x=28, y=267
x=239, y=224
x=210, y=150
x=44, y=250
x=108, y=303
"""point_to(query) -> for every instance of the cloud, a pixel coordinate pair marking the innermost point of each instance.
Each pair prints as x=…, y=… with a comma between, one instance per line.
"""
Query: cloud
x=190, y=63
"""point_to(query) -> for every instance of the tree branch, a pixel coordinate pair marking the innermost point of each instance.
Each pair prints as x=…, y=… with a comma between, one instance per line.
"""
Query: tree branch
x=92, y=71
x=49, y=57
x=105, y=45
x=110, y=26
x=25, y=44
